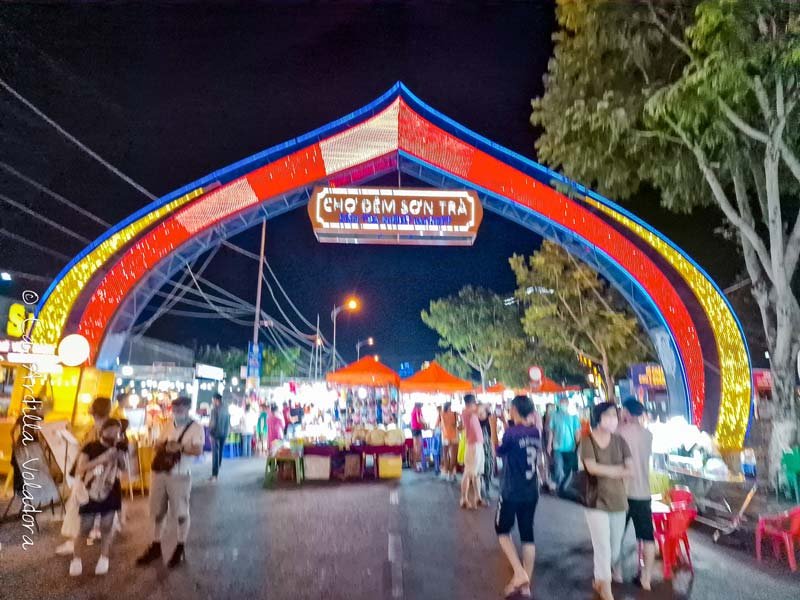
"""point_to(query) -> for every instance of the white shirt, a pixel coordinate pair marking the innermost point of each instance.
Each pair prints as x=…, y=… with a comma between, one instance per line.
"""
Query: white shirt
x=194, y=436
x=250, y=422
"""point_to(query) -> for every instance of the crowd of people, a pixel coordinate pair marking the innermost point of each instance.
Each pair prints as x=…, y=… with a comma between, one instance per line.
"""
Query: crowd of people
x=534, y=452
x=611, y=445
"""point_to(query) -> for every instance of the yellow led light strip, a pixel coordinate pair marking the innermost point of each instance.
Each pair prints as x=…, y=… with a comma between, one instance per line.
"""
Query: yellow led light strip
x=49, y=326
x=735, y=394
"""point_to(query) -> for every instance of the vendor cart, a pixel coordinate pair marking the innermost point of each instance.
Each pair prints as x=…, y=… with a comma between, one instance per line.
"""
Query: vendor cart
x=717, y=497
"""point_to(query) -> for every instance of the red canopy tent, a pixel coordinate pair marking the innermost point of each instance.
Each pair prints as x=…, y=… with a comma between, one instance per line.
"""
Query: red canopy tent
x=368, y=372
x=434, y=379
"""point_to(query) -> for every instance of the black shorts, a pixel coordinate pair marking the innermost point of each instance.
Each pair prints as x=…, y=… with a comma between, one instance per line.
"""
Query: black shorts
x=417, y=433
x=508, y=511
x=642, y=516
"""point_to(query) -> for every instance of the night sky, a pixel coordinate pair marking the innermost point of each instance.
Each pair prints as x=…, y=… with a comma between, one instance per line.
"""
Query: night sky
x=169, y=93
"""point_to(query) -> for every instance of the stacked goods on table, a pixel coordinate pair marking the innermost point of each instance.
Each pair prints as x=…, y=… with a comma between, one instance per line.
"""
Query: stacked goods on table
x=373, y=436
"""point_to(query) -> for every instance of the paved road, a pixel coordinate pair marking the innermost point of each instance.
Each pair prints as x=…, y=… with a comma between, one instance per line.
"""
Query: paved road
x=369, y=541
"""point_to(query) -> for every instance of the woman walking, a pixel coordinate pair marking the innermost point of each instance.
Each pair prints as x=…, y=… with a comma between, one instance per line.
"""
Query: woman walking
x=606, y=456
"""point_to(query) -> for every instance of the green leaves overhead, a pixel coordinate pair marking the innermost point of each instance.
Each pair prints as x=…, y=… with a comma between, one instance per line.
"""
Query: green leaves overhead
x=475, y=325
x=568, y=308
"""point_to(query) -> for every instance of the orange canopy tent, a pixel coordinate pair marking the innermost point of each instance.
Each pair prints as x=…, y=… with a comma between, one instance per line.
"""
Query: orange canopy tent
x=548, y=386
x=433, y=380
x=368, y=372
x=497, y=388
x=545, y=386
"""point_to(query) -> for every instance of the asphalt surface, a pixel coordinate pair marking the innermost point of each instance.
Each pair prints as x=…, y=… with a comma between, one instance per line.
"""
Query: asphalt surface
x=354, y=541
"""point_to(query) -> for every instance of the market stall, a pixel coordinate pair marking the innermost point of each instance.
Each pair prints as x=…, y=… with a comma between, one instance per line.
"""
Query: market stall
x=686, y=456
x=433, y=386
x=364, y=439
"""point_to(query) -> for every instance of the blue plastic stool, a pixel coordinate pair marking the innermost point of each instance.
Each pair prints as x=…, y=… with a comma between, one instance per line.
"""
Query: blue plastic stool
x=232, y=449
x=432, y=448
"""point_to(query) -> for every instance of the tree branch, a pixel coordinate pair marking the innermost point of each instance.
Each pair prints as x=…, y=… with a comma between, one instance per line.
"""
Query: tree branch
x=790, y=159
x=722, y=199
x=466, y=360
x=763, y=99
x=678, y=43
x=760, y=184
x=740, y=123
x=657, y=134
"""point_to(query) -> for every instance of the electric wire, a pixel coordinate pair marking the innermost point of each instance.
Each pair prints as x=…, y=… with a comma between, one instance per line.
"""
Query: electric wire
x=50, y=222
x=75, y=140
x=31, y=244
x=45, y=190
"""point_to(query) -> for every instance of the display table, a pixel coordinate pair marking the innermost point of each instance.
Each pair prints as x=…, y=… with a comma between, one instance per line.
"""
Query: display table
x=382, y=455
x=274, y=463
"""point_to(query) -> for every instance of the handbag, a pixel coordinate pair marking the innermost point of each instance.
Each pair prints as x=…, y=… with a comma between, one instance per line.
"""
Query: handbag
x=164, y=461
x=581, y=486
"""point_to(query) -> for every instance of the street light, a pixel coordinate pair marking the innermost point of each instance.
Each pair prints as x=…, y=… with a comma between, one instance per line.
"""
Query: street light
x=367, y=342
x=5, y=276
x=350, y=304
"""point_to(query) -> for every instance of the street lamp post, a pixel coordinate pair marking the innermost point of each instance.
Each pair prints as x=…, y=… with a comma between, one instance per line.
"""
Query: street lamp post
x=351, y=304
x=367, y=342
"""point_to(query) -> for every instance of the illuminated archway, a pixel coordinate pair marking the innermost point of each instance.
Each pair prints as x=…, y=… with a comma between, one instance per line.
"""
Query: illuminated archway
x=696, y=334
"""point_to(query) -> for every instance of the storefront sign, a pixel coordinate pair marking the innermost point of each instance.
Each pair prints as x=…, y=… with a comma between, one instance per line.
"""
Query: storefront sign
x=253, y=360
x=395, y=216
x=19, y=320
x=23, y=352
x=208, y=372
x=648, y=375
x=535, y=373
x=762, y=379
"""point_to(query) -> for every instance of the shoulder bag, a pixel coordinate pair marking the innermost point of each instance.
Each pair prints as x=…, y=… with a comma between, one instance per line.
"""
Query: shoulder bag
x=581, y=487
x=163, y=461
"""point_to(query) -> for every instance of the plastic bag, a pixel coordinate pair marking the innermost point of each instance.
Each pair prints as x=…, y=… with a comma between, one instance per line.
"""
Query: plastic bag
x=72, y=519
x=462, y=448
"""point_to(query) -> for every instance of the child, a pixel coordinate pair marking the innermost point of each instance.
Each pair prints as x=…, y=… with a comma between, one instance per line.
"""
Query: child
x=519, y=493
x=98, y=468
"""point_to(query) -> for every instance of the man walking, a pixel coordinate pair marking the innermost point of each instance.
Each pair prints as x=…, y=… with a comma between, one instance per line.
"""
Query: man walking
x=218, y=429
x=519, y=493
x=475, y=457
x=564, y=431
x=640, y=442
x=171, y=482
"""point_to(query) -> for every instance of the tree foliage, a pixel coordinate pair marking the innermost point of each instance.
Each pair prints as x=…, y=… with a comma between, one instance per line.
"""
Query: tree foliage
x=475, y=326
x=229, y=359
x=274, y=363
x=279, y=363
x=699, y=98
x=573, y=310
x=453, y=364
x=512, y=366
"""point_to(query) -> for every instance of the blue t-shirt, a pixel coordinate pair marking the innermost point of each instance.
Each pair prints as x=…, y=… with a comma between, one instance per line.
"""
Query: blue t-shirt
x=520, y=449
x=564, y=427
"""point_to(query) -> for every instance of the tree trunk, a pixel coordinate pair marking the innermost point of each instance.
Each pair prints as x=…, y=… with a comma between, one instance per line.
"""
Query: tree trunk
x=784, y=414
x=609, y=380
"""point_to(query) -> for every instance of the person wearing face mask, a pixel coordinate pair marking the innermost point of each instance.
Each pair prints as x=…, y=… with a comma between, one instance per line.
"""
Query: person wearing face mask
x=564, y=433
x=171, y=482
x=100, y=411
x=607, y=457
x=98, y=468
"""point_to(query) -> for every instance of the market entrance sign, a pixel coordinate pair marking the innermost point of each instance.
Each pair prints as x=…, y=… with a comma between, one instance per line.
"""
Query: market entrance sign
x=401, y=216
x=699, y=342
